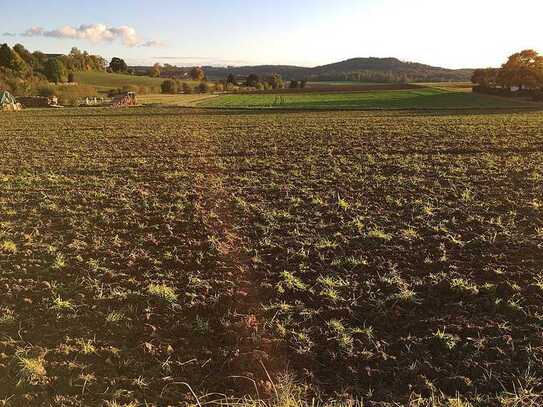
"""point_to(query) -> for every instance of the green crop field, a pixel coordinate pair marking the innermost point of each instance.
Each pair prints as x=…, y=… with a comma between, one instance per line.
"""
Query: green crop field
x=170, y=257
x=181, y=100
x=344, y=83
x=425, y=98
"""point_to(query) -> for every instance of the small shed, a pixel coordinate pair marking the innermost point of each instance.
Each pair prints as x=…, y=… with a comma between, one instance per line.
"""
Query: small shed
x=8, y=102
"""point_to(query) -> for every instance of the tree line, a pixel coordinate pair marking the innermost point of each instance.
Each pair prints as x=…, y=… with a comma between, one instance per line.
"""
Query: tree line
x=20, y=63
x=270, y=82
x=522, y=74
x=22, y=71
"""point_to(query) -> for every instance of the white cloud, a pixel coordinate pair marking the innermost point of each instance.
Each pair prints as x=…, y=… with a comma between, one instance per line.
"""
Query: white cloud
x=94, y=33
x=33, y=32
x=152, y=44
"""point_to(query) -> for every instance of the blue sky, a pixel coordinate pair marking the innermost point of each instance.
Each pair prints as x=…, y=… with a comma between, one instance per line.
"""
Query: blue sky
x=454, y=34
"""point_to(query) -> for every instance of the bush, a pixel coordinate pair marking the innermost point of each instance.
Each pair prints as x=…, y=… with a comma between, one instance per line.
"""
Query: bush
x=73, y=95
x=130, y=88
x=46, y=90
x=146, y=90
x=169, y=86
x=186, y=88
x=203, y=88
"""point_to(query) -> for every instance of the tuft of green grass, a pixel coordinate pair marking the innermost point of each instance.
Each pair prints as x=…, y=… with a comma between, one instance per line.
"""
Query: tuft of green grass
x=163, y=292
x=292, y=282
x=463, y=287
x=445, y=340
x=31, y=370
x=343, y=204
x=62, y=305
x=379, y=235
x=87, y=346
x=8, y=247
x=60, y=262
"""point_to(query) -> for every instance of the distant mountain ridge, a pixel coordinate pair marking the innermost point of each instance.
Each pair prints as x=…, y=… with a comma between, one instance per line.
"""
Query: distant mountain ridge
x=363, y=69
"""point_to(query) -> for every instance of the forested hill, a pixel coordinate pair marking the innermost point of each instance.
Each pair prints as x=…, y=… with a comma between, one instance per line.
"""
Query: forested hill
x=363, y=69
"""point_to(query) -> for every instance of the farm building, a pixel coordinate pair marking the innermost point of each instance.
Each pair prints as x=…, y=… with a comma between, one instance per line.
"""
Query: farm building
x=8, y=102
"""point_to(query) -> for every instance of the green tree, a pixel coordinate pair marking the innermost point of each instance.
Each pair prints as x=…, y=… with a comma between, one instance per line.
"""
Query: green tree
x=169, y=86
x=155, y=71
x=118, y=65
x=39, y=61
x=252, y=80
x=275, y=81
x=55, y=70
x=25, y=54
x=11, y=60
x=231, y=79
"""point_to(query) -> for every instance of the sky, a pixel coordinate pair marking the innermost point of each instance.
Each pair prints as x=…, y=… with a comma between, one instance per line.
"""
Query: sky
x=452, y=34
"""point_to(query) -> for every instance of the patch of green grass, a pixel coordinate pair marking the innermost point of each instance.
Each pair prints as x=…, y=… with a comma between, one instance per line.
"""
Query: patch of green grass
x=114, y=80
x=425, y=98
x=8, y=247
x=31, y=370
x=180, y=100
x=162, y=291
x=62, y=305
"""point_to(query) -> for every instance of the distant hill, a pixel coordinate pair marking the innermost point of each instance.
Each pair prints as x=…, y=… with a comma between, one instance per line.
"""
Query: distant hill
x=362, y=69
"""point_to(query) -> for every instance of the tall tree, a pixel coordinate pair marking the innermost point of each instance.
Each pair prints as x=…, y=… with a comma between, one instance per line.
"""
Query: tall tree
x=197, y=74
x=294, y=84
x=231, y=79
x=118, y=65
x=252, y=80
x=523, y=69
x=11, y=60
x=275, y=81
x=485, y=78
x=25, y=54
x=55, y=70
x=169, y=86
x=154, y=72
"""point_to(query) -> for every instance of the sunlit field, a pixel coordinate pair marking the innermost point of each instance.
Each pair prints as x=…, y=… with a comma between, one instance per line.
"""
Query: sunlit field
x=423, y=98
x=158, y=256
